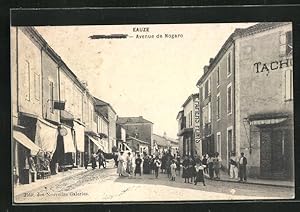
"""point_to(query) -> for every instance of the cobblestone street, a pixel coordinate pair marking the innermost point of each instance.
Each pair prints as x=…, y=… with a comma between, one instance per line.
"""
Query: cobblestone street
x=106, y=186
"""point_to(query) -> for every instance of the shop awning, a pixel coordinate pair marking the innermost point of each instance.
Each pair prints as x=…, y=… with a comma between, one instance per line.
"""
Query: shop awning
x=79, y=136
x=68, y=141
x=127, y=147
x=267, y=121
x=97, y=143
x=46, y=135
x=65, y=115
x=25, y=141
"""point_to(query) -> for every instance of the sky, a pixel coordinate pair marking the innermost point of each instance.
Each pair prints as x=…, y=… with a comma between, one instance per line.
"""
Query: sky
x=149, y=77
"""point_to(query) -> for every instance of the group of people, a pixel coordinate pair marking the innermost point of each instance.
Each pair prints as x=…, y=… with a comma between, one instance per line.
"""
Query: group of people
x=95, y=157
x=193, y=169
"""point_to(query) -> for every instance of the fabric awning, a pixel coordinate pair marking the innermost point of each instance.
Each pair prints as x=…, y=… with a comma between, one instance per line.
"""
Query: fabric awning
x=25, y=141
x=68, y=141
x=267, y=121
x=79, y=136
x=46, y=136
x=97, y=143
x=65, y=115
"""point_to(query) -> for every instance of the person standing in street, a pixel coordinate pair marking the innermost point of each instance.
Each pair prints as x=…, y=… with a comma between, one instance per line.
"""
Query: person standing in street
x=94, y=160
x=129, y=164
x=210, y=163
x=242, y=168
x=157, y=165
x=173, y=170
x=86, y=160
x=191, y=169
x=138, y=163
x=185, y=165
x=217, y=165
x=233, y=172
x=199, y=167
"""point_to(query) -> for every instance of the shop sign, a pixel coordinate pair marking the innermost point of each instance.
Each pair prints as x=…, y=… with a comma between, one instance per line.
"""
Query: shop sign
x=197, y=132
x=267, y=67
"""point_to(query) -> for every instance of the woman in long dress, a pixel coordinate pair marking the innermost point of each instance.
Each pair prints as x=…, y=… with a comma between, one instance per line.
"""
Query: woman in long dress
x=122, y=166
x=185, y=165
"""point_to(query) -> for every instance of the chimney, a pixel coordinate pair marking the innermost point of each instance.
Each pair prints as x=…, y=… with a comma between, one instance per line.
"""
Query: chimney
x=205, y=69
x=211, y=60
x=165, y=134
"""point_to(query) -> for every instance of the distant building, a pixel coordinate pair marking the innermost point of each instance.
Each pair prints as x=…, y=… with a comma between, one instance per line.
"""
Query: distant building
x=107, y=110
x=163, y=144
x=139, y=128
x=246, y=100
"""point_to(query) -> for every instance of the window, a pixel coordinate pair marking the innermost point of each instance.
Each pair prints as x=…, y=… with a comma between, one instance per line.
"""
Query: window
x=229, y=99
x=62, y=91
x=218, y=76
x=288, y=84
x=230, y=142
x=37, y=86
x=218, y=107
x=51, y=96
x=207, y=88
x=219, y=142
x=191, y=118
x=27, y=81
x=286, y=43
x=229, y=64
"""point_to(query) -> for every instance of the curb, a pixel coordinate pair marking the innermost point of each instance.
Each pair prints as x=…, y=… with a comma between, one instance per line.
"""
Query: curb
x=252, y=183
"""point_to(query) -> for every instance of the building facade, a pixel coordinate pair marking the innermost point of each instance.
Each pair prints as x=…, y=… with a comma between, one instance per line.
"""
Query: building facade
x=139, y=128
x=188, y=127
x=239, y=112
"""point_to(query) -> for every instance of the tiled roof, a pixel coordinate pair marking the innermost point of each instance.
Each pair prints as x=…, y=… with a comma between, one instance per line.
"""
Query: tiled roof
x=100, y=102
x=132, y=120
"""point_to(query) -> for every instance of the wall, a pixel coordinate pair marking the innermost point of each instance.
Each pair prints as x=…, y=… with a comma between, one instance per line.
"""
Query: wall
x=50, y=74
x=226, y=120
x=29, y=65
x=144, y=130
x=261, y=92
x=112, y=118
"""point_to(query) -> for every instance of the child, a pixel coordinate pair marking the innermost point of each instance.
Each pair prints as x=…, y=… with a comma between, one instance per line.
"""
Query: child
x=199, y=167
x=173, y=170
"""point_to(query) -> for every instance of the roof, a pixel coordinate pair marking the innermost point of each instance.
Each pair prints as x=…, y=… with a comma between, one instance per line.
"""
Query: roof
x=239, y=32
x=132, y=120
x=192, y=96
x=101, y=103
x=163, y=140
x=138, y=140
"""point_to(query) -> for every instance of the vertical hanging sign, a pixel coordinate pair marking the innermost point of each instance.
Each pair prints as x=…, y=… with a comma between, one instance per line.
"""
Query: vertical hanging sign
x=197, y=120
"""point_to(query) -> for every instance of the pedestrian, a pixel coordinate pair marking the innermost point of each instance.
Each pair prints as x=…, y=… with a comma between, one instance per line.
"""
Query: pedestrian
x=233, y=172
x=163, y=163
x=168, y=166
x=199, y=167
x=138, y=163
x=191, y=169
x=173, y=170
x=100, y=159
x=242, y=168
x=204, y=162
x=185, y=166
x=129, y=164
x=94, y=159
x=157, y=165
x=217, y=165
x=210, y=163
x=122, y=166
x=178, y=164
x=86, y=160
x=146, y=164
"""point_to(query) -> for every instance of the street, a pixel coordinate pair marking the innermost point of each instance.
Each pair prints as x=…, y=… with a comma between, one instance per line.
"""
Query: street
x=105, y=185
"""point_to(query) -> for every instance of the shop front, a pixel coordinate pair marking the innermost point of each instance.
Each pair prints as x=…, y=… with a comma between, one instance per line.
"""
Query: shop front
x=276, y=145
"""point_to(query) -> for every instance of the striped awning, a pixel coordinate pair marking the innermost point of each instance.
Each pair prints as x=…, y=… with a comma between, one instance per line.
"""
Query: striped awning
x=267, y=121
x=96, y=142
x=25, y=141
